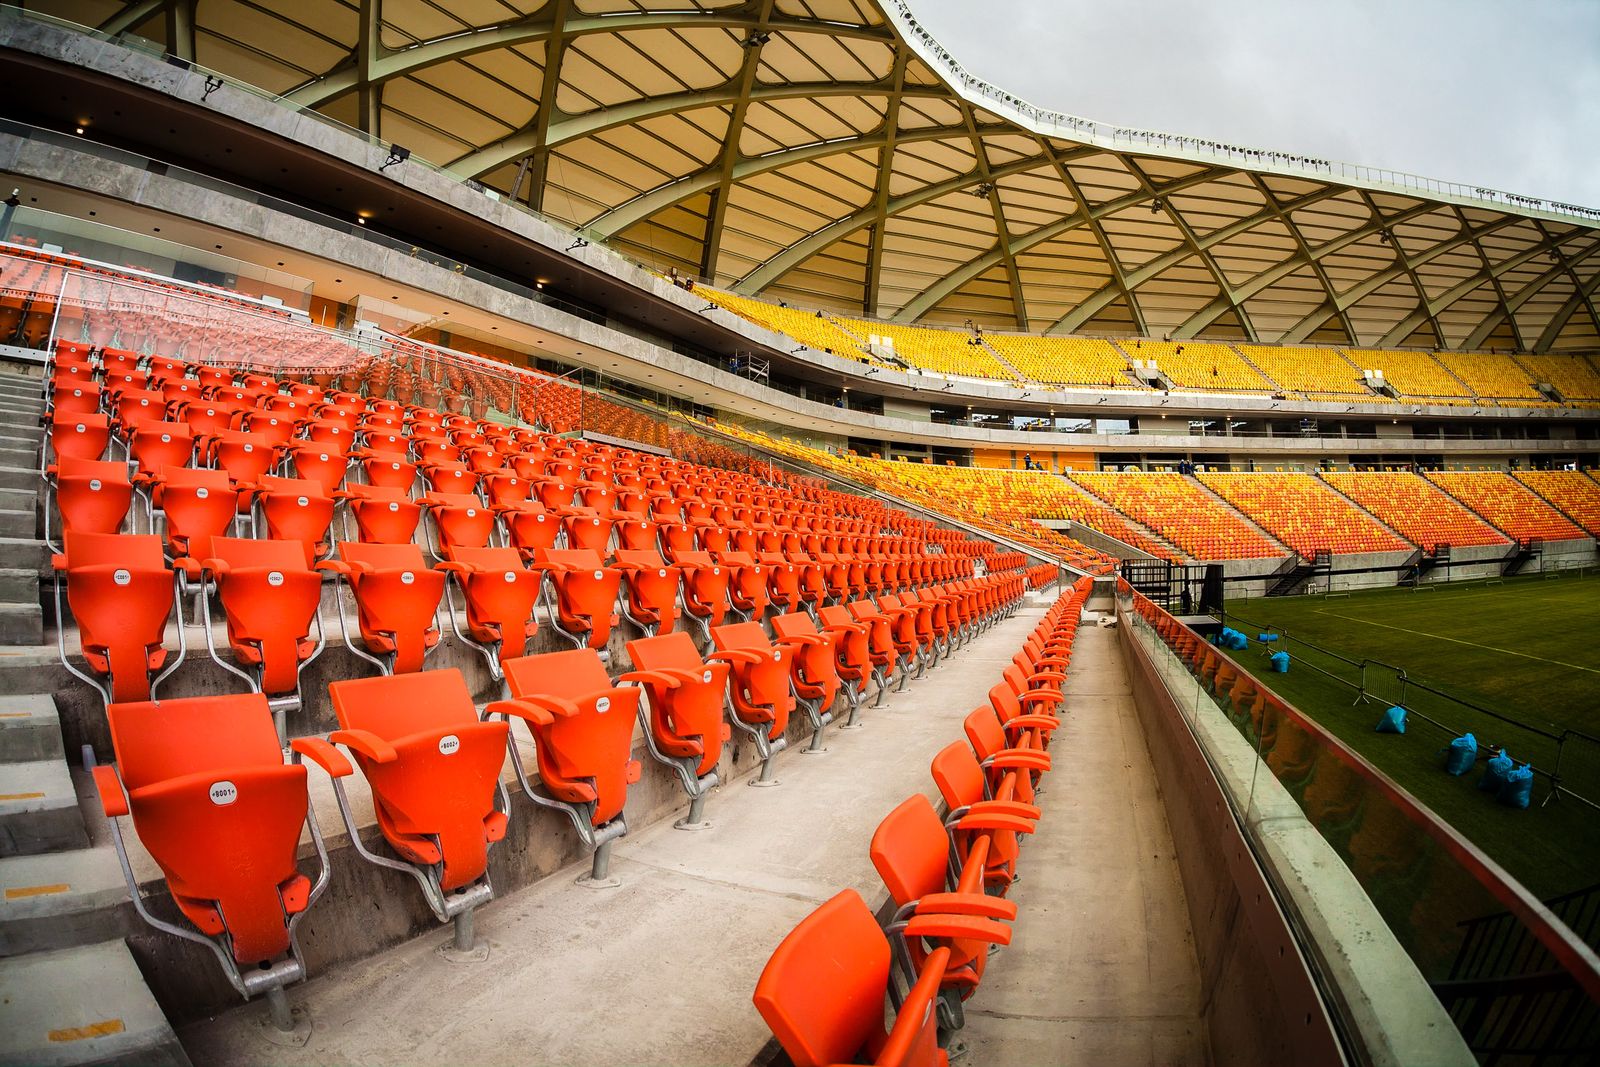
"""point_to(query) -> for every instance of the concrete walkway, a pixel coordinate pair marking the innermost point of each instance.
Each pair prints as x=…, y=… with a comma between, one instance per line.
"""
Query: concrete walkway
x=661, y=969
x=1102, y=967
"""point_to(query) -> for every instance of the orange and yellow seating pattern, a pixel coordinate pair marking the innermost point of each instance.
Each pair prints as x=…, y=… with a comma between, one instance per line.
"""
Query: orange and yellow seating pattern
x=1507, y=503
x=1017, y=496
x=1417, y=509
x=1304, y=514
x=1179, y=510
x=1575, y=493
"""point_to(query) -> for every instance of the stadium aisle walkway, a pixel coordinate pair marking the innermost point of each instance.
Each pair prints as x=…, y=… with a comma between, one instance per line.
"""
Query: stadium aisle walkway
x=1102, y=967
x=660, y=970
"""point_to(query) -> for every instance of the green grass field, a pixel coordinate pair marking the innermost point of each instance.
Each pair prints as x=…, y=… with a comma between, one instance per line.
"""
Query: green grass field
x=1528, y=649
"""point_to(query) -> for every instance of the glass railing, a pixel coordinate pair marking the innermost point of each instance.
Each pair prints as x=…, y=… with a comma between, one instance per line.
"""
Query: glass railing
x=1514, y=977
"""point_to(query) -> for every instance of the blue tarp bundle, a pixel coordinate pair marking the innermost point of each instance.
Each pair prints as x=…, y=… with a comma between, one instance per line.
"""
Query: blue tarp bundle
x=1461, y=755
x=1267, y=638
x=1280, y=662
x=1518, y=788
x=1495, y=772
x=1393, y=721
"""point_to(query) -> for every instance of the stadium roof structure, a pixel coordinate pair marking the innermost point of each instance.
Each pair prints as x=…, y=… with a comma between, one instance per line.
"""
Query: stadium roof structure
x=831, y=153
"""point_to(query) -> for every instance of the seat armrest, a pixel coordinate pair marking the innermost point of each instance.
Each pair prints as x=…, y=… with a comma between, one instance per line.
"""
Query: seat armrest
x=1030, y=812
x=1033, y=722
x=803, y=639
x=367, y=743
x=737, y=655
x=109, y=786
x=995, y=821
x=657, y=677
x=1019, y=758
x=336, y=566
x=1041, y=696
x=323, y=755
x=537, y=709
x=969, y=927
x=979, y=904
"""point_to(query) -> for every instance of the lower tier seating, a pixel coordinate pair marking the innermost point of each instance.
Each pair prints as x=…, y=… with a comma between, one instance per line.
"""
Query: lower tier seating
x=1508, y=504
x=1304, y=514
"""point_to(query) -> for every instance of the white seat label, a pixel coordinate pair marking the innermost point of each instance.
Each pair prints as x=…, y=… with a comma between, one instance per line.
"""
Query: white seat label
x=603, y=705
x=511, y=576
x=305, y=502
x=121, y=577
x=94, y=485
x=406, y=577
x=223, y=793
x=275, y=578
x=448, y=744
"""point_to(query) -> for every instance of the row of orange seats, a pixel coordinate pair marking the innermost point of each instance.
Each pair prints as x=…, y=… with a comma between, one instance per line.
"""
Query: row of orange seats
x=1179, y=510
x=1303, y=513
x=837, y=976
x=214, y=802
x=545, y=526
x=1508, y=504
x=1575, y=493
x=1414, y=508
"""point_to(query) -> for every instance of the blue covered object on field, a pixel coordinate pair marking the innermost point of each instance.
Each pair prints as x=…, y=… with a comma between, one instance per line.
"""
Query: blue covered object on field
x=1393, y=721
x=1280, y=662
x=1495, y=772
x=1266, y=638
x=1518, y=788
x=1461, y=755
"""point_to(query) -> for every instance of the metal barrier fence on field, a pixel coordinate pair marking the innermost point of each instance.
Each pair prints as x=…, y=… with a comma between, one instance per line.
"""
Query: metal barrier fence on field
x=1567, y=760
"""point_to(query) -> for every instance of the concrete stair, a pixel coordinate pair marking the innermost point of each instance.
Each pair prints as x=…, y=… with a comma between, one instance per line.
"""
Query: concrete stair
x=85, y=1004
x=70, y=992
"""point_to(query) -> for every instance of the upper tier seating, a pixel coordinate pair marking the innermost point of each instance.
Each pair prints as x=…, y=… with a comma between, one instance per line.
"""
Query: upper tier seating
x=810, y=328
x=1574, y=492
x=946, y=351
x=1304, y=514
x=1200, y=365
x=1179, y=510
x=1491, y=377
x=1088, y=362
x=1575, y=377
x=1416, y=509
x=1507, y=503
x=1310, y=370
x=1412, y=374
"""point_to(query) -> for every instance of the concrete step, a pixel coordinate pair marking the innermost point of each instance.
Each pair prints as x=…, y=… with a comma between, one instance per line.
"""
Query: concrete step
x=24, y=477
x=39, y=809
x=18, y=586
x=21, y=413
x=80, y=1006
x=19, y=499
x=28, y=553
x=17, y=523
x=60, y=899
x=30, y=729
x=21, y=624
x=29, y=669
x=18, y=457
x=13, y=385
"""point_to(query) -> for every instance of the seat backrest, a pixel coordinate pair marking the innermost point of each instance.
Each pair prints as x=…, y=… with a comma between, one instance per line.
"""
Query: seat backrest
x=490, y=558
x=676, y=649
x=583, y=559
x=160, y=740
x=398, y=705
x=958, y=775
x=822, y=991
x=741, y=635
x=407, y=556
x=910, y=850
x=795, y=624
x=238, y=552
x=984, y=732
x=646, y=558
x=133, y=551
x=573, y=673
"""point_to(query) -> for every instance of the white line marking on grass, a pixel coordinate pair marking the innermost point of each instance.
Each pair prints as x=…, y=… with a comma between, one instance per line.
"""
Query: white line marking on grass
x=1458, y=641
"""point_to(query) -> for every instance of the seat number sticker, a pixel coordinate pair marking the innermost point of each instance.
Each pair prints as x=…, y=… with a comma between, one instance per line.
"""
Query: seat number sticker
x=448, y=744
x=406, y=577
x=603, y=705
x=275, y=578
x=223, y=793
x=121, y=577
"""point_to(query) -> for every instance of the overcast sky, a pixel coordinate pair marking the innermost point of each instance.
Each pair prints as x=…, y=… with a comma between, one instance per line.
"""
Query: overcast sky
x=1501, y=93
